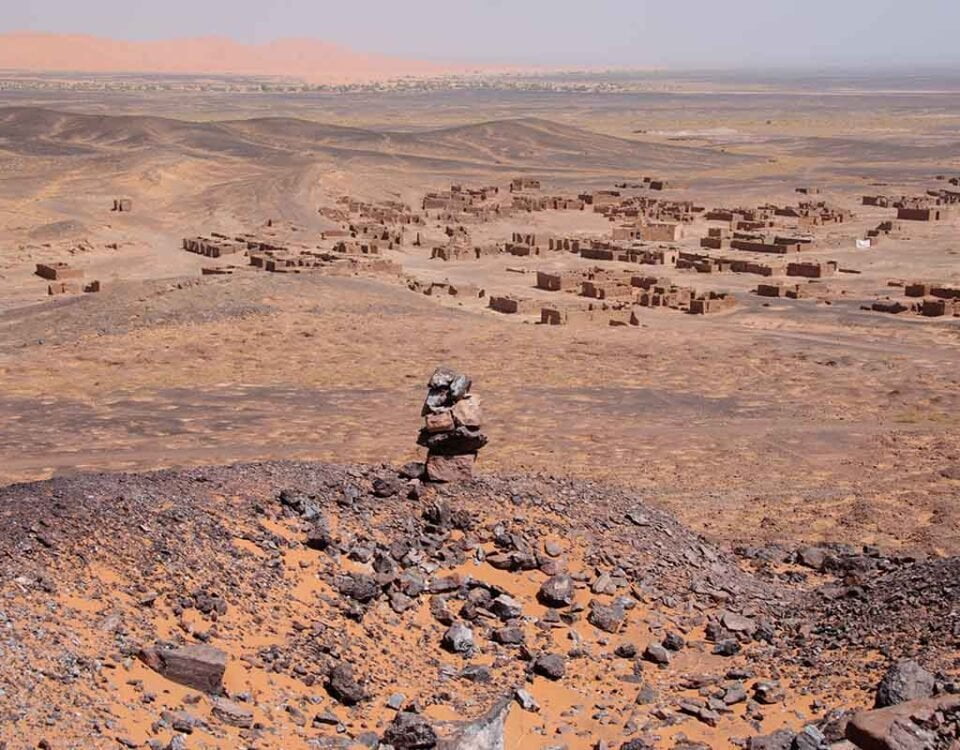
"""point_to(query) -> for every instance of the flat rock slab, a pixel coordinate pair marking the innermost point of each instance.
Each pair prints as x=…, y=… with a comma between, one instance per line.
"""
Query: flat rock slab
x=197, y=666
x=895, y=728
x=442, y=468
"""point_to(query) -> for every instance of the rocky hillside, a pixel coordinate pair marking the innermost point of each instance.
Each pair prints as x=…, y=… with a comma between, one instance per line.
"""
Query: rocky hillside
x=311, y=605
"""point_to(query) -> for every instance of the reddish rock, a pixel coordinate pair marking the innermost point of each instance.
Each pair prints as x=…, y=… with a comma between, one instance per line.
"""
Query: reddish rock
x=467, y=412
x=197, y=666
x=442, y=468
x=899, y=727
x=442, y=422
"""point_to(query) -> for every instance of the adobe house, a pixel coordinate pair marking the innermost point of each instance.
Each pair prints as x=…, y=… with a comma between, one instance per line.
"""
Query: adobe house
x=661, y=232
x=58, y=271
x=122, y=205
x=557, y=281
x=812, y=269
x=466, y=290
x=605, y=289
x=518, y=184
x=921, y=214
x=936, y=308
x=762, y=246
x=945, y=292
x=510, y=305
x=711, y=303
x=771, y=290
x=551, y=316
x=62, y=287
x=754, y=267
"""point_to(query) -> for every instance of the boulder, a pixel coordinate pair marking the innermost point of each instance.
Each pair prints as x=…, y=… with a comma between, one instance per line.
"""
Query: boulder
x=458, y=639
x=232, y=713
x=556, y=591
x=607, y=617
x=467, y=412
x=904, y=681
x=657, y=654
x=343, y=686
x=484, y=733
x=410, y=731
x=782, y=739
x=359, y=587
x=901, y=726
x=197, y=666
x=551, y=666
x=450, y=468
x=506, y=607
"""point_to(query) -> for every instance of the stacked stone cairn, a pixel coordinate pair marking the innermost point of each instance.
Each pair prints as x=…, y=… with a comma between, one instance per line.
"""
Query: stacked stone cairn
x=451, y=431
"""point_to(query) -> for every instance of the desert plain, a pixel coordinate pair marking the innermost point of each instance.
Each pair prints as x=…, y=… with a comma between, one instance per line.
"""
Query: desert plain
x=714, y=322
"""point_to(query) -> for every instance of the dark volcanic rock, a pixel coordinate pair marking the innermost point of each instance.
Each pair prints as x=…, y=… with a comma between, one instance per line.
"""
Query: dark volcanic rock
x=607, y=617
x=410, y=731
x=551, y=666
x=359, y=587
x=657, y=654
x=198, y=666
x=637, y=744
x=458, y=639
x=232, y=713
x=556, y=591
x=782, y=739
x=343, y=686
x=904, y=681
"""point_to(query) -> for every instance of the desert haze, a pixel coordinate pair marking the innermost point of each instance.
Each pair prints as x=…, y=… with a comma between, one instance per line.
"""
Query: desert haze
x=541, y=411
x=296, y=59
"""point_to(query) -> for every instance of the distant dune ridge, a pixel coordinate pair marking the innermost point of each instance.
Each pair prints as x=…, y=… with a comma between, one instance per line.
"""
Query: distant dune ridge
x=306, y=59
x=500, y=144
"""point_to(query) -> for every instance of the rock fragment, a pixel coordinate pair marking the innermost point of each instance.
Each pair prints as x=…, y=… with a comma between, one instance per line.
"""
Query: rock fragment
x=410, y=731
x=904, y=681
x=344, y=686
x=198, y=666
x=556, y=591
x=551, y=666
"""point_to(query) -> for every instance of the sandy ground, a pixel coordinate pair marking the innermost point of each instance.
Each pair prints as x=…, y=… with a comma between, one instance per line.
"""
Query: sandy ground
x=784, y=422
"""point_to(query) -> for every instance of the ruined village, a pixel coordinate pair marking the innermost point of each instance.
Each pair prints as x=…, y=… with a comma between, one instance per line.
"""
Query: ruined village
x=486, y=413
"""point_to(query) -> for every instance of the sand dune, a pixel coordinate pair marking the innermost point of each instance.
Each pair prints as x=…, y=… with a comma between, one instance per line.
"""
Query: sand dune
x=307, y=59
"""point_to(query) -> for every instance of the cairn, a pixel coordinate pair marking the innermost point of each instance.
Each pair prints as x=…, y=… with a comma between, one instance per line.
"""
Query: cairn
x=451, y=431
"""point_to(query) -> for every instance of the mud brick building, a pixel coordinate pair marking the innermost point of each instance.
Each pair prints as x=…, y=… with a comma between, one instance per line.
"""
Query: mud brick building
x=58, y=271
x=712, y=302
x=553, y=316
x=605, y=288
x=215, y=247
x=511, y=305
x=937, y=308
x=122, y=205
x=880, y=201
x=661, y=232
x=519, y=184
x=925, y=213
x=812, y=269
x=564, y=244
x=356, y=247
x=558, y=281
x=62, y=287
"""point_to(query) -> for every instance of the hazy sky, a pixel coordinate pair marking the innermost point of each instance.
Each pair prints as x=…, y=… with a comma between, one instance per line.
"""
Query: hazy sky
x=673, y=33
